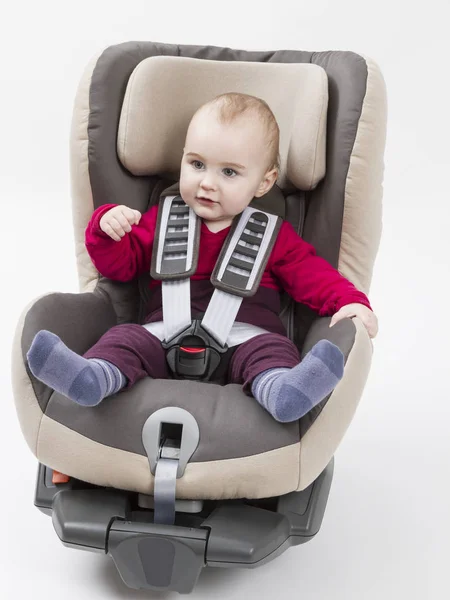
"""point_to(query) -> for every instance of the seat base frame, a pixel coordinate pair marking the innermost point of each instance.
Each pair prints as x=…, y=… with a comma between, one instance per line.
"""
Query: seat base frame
x=227, y=533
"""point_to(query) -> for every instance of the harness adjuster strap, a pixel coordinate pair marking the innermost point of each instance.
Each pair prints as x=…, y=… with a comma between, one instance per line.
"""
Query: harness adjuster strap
x=242, y=261
x=177, y=237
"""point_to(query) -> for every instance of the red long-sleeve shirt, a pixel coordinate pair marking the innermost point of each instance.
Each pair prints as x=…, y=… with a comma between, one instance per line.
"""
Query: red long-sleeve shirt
x=293, y=266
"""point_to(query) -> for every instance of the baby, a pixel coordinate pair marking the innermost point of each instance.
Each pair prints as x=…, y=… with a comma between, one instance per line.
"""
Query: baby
x=230, y=157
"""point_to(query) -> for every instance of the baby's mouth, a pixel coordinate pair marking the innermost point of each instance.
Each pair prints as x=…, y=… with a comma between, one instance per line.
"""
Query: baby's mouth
x=205, y=200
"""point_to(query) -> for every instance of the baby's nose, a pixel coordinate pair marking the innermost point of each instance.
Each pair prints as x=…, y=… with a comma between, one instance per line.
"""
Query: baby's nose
x=208, y=182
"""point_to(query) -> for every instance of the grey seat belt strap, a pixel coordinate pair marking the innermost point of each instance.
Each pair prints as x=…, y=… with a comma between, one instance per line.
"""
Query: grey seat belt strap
x=221, y=314
x=237, y=273
x=239, y=270
x=176, y=301
x=174, y=260
x=164, y=491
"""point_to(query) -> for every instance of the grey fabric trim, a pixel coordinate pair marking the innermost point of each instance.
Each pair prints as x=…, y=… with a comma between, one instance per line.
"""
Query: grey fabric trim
x=110, y=181
x=295, y=214
x=78, y=319
x=217, y=53
x=342, y=335
x=231, y=424
x=347, y=82
x=273, y=202
x=124, y=297
x=143, y=293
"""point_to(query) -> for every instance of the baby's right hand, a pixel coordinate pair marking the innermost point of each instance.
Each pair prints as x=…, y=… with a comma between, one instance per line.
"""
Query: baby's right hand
x=118, y=221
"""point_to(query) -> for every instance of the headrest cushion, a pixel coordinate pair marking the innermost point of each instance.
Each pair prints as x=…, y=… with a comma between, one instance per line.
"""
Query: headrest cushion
x=164, y=92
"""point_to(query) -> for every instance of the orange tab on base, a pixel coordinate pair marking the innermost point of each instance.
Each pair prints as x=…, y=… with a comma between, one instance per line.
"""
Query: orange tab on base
x=58, y=477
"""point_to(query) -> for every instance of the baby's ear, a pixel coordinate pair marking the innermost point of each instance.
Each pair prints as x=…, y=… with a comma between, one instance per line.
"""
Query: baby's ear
x=267, y=183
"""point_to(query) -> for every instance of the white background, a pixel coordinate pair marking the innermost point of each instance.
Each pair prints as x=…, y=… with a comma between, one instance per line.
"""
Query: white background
x=386, y=529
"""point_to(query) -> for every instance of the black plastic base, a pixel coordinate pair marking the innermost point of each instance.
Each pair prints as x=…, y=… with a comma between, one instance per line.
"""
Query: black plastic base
x=235, y=533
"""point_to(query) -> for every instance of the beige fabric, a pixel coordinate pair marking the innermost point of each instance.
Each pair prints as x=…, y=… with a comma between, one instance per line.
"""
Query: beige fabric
x=28, y=410
x=157, y=110
x=268, y=474
x=361, y=227
x=82, y=200
x=322, y=440
x=272, y=473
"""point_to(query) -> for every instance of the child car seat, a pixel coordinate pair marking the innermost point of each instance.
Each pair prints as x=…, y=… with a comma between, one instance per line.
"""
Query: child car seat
x=230, y=485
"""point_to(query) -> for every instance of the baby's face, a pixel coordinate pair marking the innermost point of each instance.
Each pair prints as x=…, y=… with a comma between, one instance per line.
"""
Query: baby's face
x=223, y=167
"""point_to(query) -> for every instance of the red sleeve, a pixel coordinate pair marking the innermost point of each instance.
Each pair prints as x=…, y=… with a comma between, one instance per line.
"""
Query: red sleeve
x=127, y=259
x=308, y=278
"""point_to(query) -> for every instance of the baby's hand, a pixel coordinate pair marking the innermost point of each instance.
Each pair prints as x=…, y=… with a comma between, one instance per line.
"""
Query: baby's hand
x=118, y=221
x=358, y=310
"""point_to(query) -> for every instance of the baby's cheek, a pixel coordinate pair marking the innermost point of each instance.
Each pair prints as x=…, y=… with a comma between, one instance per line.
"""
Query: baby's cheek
x=185, y=190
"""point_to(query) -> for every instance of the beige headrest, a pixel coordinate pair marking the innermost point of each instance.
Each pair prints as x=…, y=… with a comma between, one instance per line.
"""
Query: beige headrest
x=164, y=92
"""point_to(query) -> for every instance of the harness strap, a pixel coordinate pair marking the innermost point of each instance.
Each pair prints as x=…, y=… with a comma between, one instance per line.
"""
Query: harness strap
x=239, y=269
x=243, y=258
x=220, y=315
x=176, y=300
x=177, y=241
x=237, y=273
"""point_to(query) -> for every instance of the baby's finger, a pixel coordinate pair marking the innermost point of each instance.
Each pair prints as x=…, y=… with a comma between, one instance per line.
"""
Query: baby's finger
x=370, y=325
x=374, y=327
x=335, y=318
x=138, y=216
x=117, y=227
x=110, y=231
x=123, y=222
x=132, y=216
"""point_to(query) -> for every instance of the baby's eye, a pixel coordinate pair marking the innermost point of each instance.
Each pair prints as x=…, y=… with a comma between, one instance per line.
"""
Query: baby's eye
x=197, y=164
x=229, y=172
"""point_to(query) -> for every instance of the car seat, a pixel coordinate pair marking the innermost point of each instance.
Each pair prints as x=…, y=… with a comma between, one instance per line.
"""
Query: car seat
x=242, y=486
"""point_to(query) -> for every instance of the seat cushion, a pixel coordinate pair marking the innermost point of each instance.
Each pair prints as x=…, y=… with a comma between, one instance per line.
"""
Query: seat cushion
x=242, y=452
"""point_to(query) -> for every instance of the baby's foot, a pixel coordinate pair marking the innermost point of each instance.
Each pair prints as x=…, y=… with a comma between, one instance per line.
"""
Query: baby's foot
x=85, y=381
x=288, y=394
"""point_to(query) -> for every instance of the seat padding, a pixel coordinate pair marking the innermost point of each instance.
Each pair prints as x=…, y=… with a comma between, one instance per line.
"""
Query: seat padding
x=163, y=93
x=243, y=451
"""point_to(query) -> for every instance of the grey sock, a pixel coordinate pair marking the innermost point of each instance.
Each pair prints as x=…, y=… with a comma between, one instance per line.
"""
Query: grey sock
x=288, y=394
x=85, y=381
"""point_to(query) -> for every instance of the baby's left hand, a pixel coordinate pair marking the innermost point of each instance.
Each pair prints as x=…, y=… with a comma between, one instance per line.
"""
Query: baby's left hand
x=358, y=310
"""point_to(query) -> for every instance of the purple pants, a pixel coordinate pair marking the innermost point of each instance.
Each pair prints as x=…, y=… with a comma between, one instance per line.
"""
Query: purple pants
x=138, y=353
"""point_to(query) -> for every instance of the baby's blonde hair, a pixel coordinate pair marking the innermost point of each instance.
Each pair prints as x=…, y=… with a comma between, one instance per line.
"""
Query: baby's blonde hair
x=232, y=105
